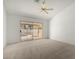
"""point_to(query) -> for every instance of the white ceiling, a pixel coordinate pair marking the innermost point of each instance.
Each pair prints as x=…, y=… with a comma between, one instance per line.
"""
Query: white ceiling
x=32, y=9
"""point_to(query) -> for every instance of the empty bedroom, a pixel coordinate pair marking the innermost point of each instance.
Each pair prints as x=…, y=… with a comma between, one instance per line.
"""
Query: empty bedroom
x=39, y=29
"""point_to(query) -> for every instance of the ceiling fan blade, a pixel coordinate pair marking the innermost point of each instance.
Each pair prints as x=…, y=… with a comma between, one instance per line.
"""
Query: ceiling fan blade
x=49, y=9
x=44, y=1
x=45, y=11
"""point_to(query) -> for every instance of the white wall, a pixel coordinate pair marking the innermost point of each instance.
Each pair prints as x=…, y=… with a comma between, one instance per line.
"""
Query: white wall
x=62, y=26
x=13, y=29
x=4, y=27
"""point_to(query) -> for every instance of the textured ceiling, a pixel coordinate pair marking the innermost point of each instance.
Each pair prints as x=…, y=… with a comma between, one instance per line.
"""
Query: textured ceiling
x=32, y=9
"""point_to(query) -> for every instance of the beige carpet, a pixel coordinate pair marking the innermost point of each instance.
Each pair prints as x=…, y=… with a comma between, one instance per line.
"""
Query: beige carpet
x=39, y=49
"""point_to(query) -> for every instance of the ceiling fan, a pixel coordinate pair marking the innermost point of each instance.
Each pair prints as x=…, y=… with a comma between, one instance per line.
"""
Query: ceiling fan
x=44, y=7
